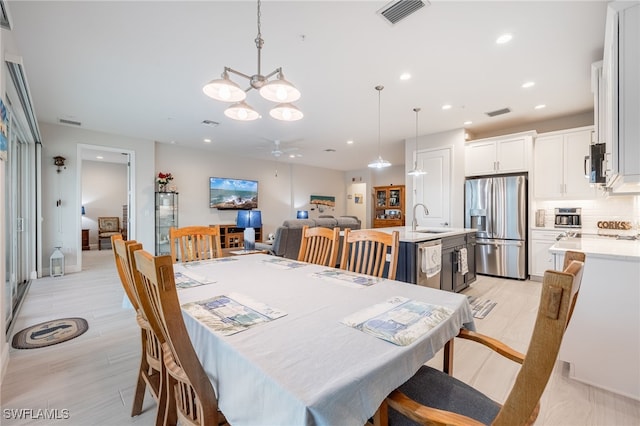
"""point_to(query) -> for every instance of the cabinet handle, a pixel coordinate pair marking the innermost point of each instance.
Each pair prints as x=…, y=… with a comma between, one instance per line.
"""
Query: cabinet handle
x=497, y=165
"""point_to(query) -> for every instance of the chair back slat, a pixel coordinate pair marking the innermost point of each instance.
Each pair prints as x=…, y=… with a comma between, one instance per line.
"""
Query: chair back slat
x=365, y=251
x=319, y=245
x=192, y=243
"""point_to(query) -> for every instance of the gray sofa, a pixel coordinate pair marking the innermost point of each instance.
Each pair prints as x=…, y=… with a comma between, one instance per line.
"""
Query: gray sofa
x=288, y=236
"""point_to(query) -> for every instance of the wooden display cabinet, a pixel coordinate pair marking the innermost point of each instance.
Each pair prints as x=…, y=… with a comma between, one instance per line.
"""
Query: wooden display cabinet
x=233, y=237
x=389, y=205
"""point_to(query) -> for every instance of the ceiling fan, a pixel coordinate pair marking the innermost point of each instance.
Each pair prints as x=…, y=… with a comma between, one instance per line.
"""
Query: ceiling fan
x=278, y=150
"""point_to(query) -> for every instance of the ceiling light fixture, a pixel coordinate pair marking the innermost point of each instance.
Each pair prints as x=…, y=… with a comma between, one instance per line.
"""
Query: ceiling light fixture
x=504, y=38
x=278, y=90
x=416, y=171
x=379, y=163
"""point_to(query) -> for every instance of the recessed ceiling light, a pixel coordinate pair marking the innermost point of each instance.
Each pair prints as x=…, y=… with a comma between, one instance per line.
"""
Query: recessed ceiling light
x=540, y=106
x=99, y=157
x=349, y=142
x=504, y=38
x=446, y=106
x=405, y=76
x=466, y=123
x=207, y=140
x=528, y=84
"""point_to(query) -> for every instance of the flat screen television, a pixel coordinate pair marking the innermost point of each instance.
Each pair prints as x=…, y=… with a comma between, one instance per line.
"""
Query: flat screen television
x=233, y=194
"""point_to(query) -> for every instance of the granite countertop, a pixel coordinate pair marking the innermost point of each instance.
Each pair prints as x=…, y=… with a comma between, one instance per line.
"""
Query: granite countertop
x=422, y=233
x=602, y=247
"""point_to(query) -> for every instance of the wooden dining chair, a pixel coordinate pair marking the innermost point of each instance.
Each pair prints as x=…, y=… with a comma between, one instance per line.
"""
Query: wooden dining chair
x=191, y=399
x=365, y=251
x=319, y=245
x=192, y=243
x=434, y=397
x=151, y=372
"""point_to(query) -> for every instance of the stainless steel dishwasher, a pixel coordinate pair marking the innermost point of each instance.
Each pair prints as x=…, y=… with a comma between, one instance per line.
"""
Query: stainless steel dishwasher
x=421, y=276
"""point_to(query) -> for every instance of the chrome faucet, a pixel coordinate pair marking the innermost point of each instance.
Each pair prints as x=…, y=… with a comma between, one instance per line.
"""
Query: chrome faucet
x=414, y=222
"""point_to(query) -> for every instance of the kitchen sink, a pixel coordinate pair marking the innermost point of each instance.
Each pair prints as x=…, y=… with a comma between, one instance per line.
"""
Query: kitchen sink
x=433, y=231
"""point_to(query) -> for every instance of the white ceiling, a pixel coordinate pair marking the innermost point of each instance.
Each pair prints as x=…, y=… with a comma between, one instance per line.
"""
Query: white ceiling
x=137, y=69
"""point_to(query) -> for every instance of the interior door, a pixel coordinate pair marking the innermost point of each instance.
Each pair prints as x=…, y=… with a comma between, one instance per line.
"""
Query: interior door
x=434, y=188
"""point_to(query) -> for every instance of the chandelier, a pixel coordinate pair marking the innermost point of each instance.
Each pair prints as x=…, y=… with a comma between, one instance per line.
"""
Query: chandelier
x=416, y=171
x=379, y=163
x=277, y=90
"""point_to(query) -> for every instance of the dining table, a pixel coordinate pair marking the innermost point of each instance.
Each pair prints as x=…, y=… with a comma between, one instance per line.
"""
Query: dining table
x=291, y=343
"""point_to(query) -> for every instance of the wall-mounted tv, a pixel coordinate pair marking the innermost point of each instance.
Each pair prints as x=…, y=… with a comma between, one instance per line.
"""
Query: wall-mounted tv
x=233, y=194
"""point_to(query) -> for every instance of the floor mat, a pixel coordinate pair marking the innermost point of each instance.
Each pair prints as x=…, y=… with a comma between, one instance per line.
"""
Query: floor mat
x=49, y=333
x=481, y=307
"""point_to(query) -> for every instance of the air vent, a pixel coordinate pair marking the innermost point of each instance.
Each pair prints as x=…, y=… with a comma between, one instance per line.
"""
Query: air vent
x=210, y=123
x=498, y=112
x=69, y=122
x=396, y=11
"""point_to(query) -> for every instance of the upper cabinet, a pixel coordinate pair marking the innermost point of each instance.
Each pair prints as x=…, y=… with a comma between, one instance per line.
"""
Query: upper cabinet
x=494, y=156
x=560, y=164
x=620, y=101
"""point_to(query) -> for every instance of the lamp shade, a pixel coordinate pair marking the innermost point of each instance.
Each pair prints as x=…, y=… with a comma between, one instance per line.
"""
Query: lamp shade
x=241, y=111
x=286, y=112
x=249, y=219
x=224, y=90
x=302, y=214
x=280, y=90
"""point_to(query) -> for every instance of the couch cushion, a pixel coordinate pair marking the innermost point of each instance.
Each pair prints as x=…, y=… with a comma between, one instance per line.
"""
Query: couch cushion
x=326, y=222
x=348, y=222
x=299, y=223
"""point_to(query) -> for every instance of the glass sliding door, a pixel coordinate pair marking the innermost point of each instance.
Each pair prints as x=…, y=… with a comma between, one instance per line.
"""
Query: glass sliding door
x=18, y=188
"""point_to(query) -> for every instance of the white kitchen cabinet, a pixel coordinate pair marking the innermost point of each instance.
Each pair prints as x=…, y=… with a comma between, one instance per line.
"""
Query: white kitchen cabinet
x=493, y=156
x=559, y=164
x=541, y=258
x=621, y=100
x=602, y=341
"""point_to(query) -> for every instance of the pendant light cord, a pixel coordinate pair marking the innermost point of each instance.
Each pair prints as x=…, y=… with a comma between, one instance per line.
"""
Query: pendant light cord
x=379, y=89
x=259, y=41
x=415, y=164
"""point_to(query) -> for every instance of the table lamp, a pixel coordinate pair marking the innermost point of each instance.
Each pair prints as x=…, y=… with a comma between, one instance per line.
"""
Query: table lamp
x=302, y=214
x=249, y=219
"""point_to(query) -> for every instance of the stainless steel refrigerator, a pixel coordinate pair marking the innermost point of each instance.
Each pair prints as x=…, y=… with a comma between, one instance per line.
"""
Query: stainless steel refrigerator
x=497, y=208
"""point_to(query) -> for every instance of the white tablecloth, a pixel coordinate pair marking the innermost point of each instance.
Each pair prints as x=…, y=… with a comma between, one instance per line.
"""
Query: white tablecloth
x=307, y=368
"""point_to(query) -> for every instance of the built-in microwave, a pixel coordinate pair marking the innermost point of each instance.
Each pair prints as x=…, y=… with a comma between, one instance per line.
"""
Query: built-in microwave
x=597, y=163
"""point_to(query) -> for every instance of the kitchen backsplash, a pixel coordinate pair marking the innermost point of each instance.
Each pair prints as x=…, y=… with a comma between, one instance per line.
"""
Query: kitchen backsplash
x=606, y=208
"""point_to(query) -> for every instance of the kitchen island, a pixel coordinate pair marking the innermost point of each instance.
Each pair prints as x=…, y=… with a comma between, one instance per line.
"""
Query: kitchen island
x=453, y=240
x=602, y=342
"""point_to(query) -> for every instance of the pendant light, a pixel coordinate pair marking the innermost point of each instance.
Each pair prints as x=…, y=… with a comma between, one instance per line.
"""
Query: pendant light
x=379, y=163
x=278, y=90
x=416, y=171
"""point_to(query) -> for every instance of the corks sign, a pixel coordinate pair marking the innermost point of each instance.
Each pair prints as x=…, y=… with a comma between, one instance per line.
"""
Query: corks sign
x=614, y=224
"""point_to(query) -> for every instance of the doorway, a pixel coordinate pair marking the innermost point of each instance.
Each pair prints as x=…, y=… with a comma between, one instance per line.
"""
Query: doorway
x=105, y=182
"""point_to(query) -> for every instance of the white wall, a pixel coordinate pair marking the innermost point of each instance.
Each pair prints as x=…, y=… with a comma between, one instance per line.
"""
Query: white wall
x=62, y=225
x=279, y=197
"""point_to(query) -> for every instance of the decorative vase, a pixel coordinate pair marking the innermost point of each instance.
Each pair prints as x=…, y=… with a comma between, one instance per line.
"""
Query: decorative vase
x=162, y=187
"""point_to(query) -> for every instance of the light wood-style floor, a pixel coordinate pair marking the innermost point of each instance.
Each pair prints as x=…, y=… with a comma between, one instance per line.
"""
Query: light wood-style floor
x=93, y=376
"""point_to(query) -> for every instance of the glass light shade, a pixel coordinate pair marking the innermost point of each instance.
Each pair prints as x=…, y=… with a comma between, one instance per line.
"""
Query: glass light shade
x=416, y=171
x=302, y=214
x=241, y=111
x=286, y=112
x=224, y=90
x=280, y=90
x=379, y=163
